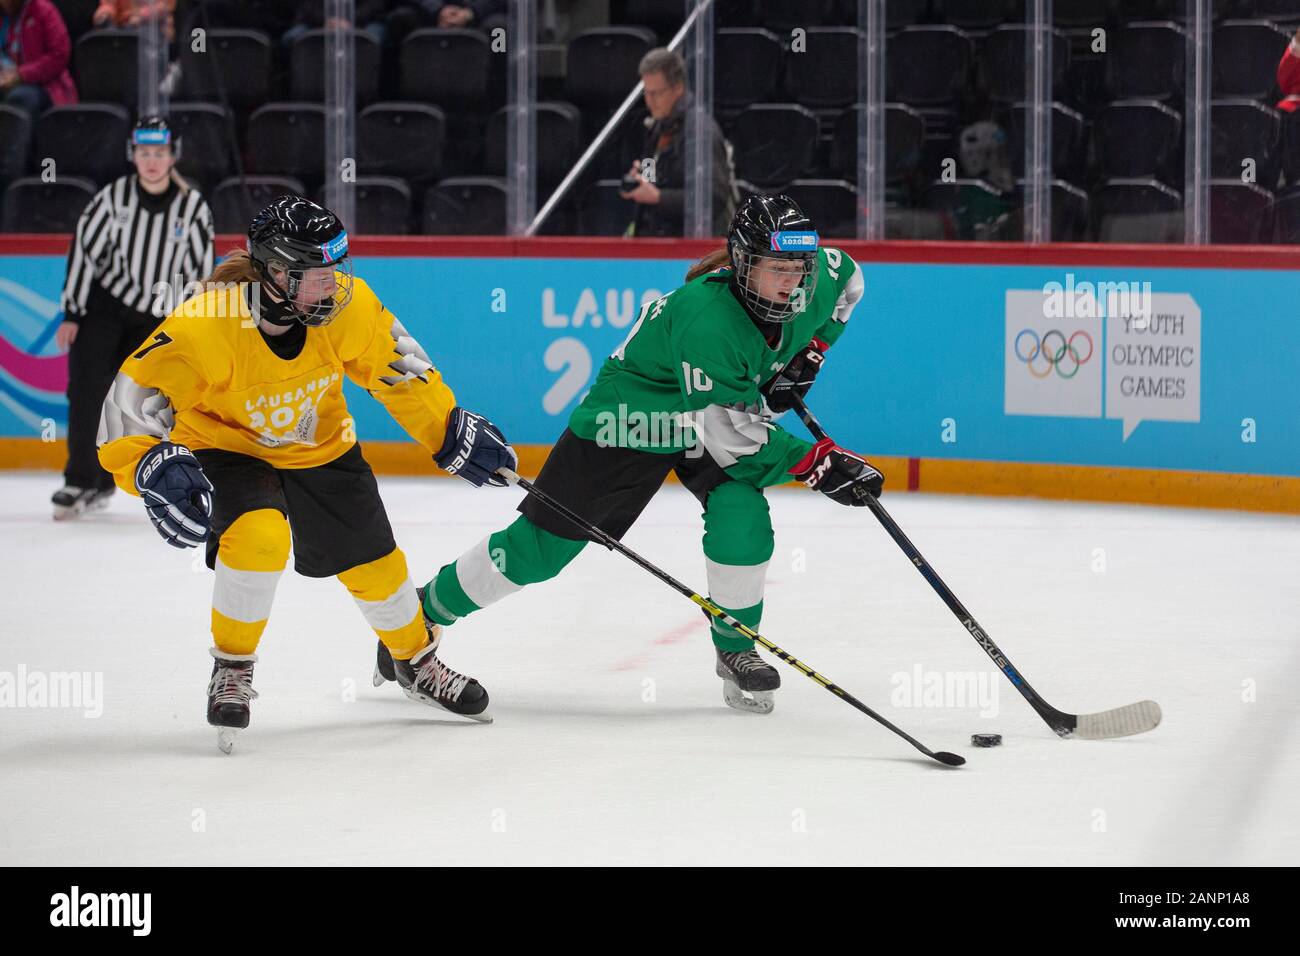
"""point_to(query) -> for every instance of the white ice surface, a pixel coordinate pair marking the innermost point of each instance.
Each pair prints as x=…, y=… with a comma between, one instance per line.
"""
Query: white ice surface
x=611, y=742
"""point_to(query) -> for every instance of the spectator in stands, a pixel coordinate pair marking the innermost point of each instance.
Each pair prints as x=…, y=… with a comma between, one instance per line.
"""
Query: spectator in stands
x=660, y=174
x=368, y=15
x=34, y=52
x=1288, y=76
x=272, y=17
x=129, y=13
x=981, y=213
x=1288, y=81
x=408, y=15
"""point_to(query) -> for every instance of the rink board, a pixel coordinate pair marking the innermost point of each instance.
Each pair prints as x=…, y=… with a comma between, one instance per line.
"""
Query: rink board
x=1125, y=373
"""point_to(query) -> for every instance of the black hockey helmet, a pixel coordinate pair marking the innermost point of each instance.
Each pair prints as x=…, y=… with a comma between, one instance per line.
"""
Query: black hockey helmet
x=153, y=131
x=292, y=235
x=772, y=227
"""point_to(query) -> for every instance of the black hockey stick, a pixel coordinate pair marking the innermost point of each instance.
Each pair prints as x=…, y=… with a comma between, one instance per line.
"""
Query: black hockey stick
x=952, y=760
x=1120, y=722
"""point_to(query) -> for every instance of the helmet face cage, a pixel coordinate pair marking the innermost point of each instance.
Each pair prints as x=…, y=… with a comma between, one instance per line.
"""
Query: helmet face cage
x=320, y=313
x=748, y=264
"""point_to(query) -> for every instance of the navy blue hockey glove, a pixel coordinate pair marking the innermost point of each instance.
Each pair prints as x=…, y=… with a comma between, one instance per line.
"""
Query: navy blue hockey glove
x=176, y=493
x=839, y=474
x=474, y=449
x=796, y=378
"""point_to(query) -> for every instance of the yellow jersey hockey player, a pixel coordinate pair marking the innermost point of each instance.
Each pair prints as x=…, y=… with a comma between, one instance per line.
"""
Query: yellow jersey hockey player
x=230, y=423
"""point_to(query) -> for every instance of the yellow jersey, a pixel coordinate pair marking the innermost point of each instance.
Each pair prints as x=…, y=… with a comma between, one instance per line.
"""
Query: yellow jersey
x=208, y=379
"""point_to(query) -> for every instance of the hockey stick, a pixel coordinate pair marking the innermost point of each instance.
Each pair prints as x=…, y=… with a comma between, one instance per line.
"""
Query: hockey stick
x=1119, y=722
x=613, y=544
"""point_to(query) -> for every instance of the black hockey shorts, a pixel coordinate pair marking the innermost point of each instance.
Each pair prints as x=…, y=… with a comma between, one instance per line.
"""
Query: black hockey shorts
x=611, y=486
x=335, y=514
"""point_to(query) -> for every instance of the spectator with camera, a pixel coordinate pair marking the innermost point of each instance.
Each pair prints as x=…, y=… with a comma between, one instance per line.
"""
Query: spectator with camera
x=656, y=181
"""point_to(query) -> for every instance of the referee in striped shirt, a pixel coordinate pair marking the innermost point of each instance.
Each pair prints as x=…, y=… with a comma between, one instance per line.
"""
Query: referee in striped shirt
x=139, y=242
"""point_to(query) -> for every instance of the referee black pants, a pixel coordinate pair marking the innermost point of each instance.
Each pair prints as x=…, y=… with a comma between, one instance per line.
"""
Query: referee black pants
x=108, y=334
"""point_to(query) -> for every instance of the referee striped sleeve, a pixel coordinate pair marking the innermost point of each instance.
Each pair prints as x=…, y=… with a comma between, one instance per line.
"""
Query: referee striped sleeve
x=87, y=246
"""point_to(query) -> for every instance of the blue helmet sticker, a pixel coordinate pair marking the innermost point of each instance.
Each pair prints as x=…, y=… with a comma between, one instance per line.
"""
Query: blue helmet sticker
x=151, y=137
x=794, y=241
x=336, y=248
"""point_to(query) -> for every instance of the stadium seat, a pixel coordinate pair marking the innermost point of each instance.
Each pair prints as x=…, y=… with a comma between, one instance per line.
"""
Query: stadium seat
x=465, y=206
x=558, y=132
x=402, y=139
x=1245, y=57
x=928, y=65
x=825, y=76
x=1239, y=212
x=782, y=16
x=904, y=142
x=15, y=142
x=31, y=205
x=602, y=65
x=1137, y=138
x=747, y=65
x=234, y=201
x=1147, y=61
x=1003, y=60
x=85, y=140
x=1242, y=129
x=105, y=62
x=1137, y=210
x=383, y=206
x=1069, y=153
x=449, y=68
x=773, y=143
x=664, y=17
x=898, y=13
x=1080, y=14
x=236, y=68
x=288, y=139
x=307, y=67
x=979, y=15
x=1069, y=211
x=206, y=148
x=832, y=205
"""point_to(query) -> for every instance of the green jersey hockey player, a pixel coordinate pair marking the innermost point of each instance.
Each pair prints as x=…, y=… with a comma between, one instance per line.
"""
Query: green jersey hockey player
x=693, y=390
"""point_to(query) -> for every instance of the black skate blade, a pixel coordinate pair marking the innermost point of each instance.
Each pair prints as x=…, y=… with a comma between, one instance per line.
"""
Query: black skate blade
x=482, y=718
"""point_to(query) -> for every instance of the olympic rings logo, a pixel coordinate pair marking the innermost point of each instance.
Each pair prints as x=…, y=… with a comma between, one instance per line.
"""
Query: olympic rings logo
x=1052, y=356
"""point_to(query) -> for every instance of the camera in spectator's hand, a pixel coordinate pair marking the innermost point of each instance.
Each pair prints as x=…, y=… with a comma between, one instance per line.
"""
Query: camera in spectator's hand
x=630, y=182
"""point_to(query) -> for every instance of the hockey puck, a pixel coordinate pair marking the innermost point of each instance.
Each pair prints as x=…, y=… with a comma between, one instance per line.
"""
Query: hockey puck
x=985, y=740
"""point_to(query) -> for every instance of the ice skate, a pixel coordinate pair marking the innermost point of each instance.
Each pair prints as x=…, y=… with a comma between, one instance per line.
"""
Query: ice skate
x=229, y=694
x=747, y=681
x=72, y=502
x=427, y=679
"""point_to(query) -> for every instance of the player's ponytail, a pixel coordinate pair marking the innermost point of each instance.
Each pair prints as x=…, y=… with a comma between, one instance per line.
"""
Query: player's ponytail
x=710, y=263
x=236, y=267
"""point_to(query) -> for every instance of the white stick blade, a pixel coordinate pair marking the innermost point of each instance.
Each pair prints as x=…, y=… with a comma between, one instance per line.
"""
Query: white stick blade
x=1121, y=722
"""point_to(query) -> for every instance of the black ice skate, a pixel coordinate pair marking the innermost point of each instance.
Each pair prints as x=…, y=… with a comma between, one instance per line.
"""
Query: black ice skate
x=229, y=694
x=72, y=502
x=747, y=681
x=427, y=679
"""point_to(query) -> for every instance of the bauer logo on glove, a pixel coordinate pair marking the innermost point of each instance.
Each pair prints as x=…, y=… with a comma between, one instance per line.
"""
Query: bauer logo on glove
x=176, y=493
x=474, y=449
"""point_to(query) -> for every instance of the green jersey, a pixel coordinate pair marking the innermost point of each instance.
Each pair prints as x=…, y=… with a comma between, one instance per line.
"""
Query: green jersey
x=689, y=373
